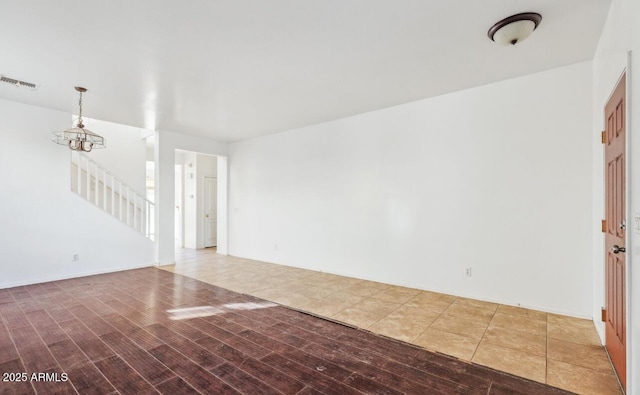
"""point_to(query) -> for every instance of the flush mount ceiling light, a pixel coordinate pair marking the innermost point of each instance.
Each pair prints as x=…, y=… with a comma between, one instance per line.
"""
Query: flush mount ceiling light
x=79, y=138
x=515, y=28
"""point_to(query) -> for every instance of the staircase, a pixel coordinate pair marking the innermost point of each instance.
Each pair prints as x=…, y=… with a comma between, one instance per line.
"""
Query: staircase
x=97, y=185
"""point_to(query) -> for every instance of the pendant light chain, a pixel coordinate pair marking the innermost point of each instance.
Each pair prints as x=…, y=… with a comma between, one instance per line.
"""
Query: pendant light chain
x=80, y=125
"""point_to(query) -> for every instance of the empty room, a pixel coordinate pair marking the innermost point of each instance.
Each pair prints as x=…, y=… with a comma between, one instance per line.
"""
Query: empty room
x=319, y=197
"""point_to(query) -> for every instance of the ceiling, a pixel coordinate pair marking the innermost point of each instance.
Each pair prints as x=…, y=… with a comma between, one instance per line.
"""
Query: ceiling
x=236, y=69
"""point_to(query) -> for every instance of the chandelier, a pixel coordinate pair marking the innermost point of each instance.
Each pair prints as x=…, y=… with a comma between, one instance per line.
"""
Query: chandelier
x=79, y=138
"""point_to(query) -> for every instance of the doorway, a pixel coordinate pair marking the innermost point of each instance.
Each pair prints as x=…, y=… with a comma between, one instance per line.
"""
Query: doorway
x=198, y=196
x=614, y=140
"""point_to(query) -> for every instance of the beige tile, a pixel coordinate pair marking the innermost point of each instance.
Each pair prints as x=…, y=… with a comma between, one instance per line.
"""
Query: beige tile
x=244, y=287
x=363, y=291
x=359, y=318
x=519, y=323
x=313, y=280
x=580, y=334
x=293, y=300
x=342, y=283
x=415, y=313
x=350, y=293
x=270, y=282
x=581, y=380
x=448, y=343
x=271, y=293
x=469, y=313
x=327, y=306
x=437, y=296
x=569, y=321
x=522, y=312
x=315, y=292
x=477, y=304
x=396, y=294
x=367, y=288
x=515, y=340
x=586, y=356
x=376, y=306
x=460, y=326
x=427, y=302
x=321, y=308
x=515, y=362
x=294, y=286
x=401, y=329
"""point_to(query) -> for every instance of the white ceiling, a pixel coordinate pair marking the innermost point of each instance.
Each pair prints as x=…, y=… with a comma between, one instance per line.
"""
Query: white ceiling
x=235, y=69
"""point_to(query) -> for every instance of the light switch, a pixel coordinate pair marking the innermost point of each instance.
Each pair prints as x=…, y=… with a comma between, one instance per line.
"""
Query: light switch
x=636, y=223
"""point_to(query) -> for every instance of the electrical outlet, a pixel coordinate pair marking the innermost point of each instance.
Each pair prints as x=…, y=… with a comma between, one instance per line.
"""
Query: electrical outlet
x=75, y=258
x=467, y=272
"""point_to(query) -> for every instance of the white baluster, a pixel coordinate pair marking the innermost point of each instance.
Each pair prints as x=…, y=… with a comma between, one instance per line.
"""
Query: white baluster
x=128, y=208
x=104, y=189
x=79, y=175
x=88, y=178
x=120, y=200
x=95, y=184
x=138, y=214
x=149, y=214
x=144, y=217
x=113, y=195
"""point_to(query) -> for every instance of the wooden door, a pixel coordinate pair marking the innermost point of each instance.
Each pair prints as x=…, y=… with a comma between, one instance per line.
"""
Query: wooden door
x=210, y=211
x=615, y=276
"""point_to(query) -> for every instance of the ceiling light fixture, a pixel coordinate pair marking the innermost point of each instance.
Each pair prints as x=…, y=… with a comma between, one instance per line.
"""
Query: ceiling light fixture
x=515, y=28
x=79, y=138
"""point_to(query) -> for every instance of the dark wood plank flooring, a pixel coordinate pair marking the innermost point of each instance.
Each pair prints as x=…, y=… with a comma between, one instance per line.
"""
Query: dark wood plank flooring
x=137, y=332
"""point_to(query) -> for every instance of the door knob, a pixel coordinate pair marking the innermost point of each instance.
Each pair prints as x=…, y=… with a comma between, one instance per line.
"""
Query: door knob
x=616, y=249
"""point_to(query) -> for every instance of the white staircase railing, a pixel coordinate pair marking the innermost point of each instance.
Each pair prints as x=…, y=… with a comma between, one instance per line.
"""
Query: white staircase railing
x=102, y=188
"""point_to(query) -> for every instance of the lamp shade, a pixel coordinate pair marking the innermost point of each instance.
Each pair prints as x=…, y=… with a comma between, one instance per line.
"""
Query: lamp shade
x=515, y=28
x=79, y=139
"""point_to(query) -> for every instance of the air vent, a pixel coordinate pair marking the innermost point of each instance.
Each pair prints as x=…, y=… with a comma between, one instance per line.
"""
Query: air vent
x=18, y=83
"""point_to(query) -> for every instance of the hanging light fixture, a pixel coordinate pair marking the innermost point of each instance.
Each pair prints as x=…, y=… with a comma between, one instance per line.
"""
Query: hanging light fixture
x=79, y=138
x=515, y=28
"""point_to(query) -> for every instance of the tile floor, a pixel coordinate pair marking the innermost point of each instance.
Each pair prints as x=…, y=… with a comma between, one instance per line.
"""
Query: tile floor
x=149, y=331
x=561, y=351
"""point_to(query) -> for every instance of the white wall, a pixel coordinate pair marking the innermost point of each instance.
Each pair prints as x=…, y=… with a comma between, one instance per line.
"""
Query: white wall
x=165, y=149
x=125, y=155
x=496, y=177
x=619, y=48
x=42, y=223
x=190, y=200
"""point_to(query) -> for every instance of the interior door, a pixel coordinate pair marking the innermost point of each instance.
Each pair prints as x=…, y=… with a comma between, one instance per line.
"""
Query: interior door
x=210, y=211
x=615, y=276
x=179, y=213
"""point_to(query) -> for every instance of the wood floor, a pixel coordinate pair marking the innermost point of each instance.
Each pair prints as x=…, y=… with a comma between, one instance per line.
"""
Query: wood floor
x=153, y=331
